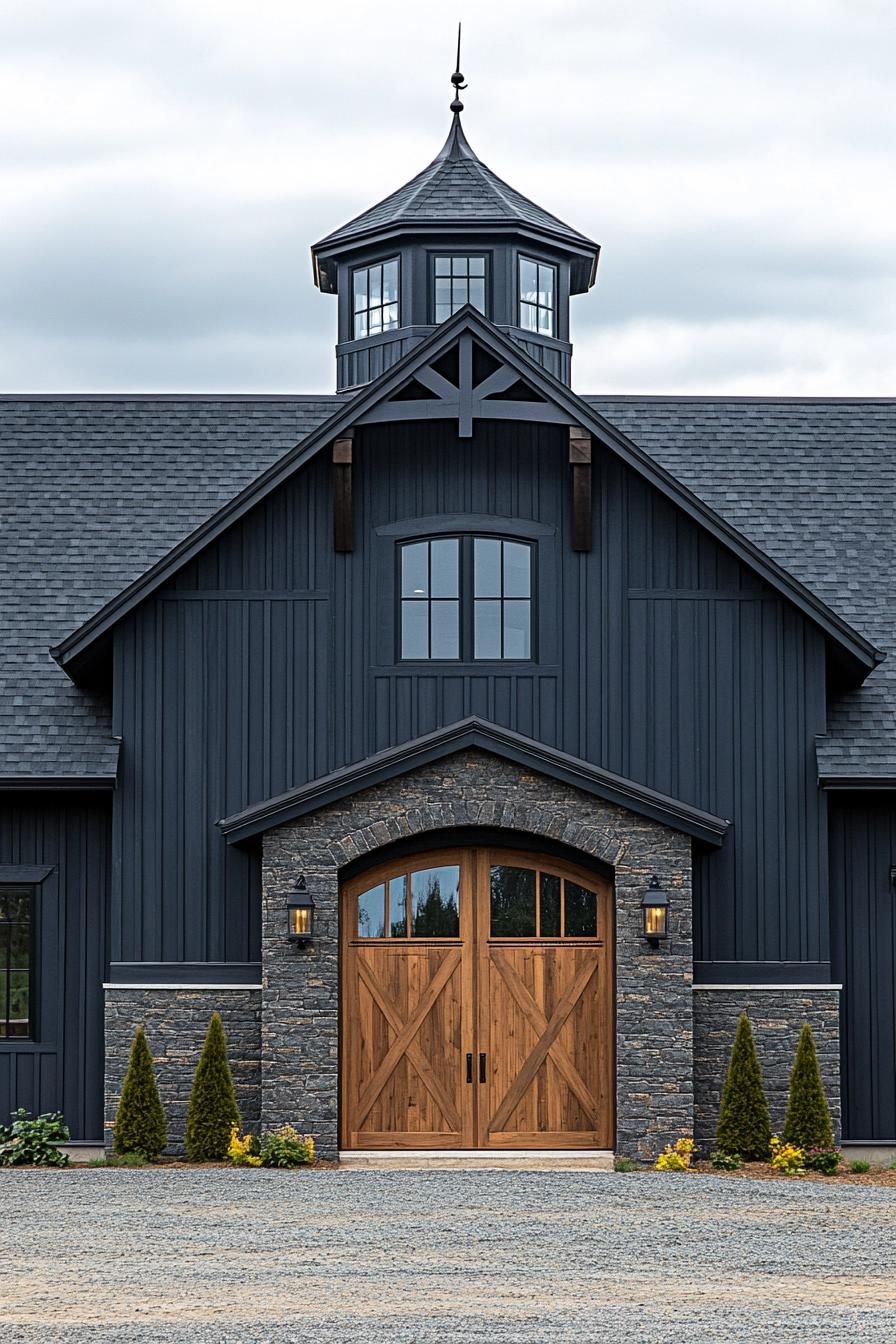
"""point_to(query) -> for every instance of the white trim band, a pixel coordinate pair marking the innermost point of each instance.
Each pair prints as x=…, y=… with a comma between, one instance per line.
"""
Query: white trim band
x=792, y=988
x=126, y=985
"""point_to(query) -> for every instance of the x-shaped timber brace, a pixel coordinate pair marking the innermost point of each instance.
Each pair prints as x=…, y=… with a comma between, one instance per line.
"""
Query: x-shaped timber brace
x=479, y=393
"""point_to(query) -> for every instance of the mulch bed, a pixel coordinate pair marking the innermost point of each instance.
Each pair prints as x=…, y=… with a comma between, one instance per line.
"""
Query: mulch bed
x=764, y=1171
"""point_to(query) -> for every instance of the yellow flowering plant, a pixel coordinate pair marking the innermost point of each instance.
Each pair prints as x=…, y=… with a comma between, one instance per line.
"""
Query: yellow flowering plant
x=284, y=1147
x=676, y=1156
x=243, y=1151
x=787, y=1157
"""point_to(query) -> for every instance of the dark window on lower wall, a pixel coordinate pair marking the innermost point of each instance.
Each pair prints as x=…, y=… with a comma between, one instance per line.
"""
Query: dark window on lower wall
x=16, y=903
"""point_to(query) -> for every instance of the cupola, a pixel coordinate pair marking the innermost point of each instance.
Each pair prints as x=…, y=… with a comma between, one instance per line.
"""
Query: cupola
x=455, y=234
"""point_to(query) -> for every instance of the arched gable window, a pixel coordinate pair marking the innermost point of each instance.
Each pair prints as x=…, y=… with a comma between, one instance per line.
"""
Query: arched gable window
x=466, y=598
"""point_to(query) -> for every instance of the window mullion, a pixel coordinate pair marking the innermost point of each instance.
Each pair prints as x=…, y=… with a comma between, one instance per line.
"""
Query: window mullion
x=429, y=599
x=466, y=579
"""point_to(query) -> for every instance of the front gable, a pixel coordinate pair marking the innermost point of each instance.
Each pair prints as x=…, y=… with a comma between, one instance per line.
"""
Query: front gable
x=465, y=372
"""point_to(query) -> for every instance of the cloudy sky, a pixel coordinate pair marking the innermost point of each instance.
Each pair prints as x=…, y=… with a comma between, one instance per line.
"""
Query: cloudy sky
x=164, y=168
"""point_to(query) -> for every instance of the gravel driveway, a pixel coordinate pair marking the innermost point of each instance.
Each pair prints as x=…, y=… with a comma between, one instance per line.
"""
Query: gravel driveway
x=418, y=1256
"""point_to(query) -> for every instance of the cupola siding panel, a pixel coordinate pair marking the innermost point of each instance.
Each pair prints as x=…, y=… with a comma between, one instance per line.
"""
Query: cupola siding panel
x=272, y=660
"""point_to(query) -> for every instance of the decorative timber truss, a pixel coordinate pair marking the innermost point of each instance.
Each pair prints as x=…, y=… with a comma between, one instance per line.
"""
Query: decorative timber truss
x=466, y=382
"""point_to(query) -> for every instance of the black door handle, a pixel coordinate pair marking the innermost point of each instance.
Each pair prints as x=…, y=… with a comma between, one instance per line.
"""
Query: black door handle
x=482, y=1068
x=469, y=1068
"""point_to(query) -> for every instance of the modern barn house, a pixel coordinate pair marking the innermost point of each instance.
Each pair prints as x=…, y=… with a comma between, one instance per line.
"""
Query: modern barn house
x=479, y=749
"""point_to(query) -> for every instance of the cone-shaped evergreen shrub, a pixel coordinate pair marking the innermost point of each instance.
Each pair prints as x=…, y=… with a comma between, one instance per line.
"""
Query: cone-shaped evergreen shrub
x=808, y=1122
x=744, y=1125
x=213, y=1110
x=140, y=1122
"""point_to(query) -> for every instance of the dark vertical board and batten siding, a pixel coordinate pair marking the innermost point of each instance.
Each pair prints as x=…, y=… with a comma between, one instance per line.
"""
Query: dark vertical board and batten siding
x=223, y=696
x=661, y=657
x=63, y=1067
x=863, y=960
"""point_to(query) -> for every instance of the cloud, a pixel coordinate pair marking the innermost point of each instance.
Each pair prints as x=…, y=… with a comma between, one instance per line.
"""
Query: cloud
x=165, y=168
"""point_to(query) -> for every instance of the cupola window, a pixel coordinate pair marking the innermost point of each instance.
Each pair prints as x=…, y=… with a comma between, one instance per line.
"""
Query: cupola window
x=458, y=280
x=466, y=598
x=375, y=291
x=537, y=296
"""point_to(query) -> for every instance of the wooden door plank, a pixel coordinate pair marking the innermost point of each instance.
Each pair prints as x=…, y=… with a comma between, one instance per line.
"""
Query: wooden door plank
x=524, y=1078
x=540, y=1025
x=403, y=1044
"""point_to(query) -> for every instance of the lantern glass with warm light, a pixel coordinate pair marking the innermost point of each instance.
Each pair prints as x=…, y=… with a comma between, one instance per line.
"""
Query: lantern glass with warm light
x=655, y=913
x=300, y=913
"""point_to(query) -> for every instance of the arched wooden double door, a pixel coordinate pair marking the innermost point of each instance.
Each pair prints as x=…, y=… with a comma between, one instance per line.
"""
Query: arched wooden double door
x=477, y=1004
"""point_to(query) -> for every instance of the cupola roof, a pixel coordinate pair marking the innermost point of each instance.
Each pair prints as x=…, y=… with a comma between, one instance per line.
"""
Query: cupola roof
x=457, y=191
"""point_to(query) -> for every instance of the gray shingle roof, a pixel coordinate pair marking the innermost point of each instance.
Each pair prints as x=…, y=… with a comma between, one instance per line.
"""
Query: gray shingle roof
x=95, y=490
x=457, y=188
x=92, y=492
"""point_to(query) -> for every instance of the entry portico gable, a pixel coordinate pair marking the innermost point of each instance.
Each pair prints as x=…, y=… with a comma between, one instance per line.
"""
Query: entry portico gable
x=470, y=791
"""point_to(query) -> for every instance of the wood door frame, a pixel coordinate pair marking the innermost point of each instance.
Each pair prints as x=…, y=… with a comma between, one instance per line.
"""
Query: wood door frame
x=474, y=861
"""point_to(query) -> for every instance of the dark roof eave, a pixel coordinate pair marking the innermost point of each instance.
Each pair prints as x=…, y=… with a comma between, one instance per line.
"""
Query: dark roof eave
x=585, y=251
x=467, y=734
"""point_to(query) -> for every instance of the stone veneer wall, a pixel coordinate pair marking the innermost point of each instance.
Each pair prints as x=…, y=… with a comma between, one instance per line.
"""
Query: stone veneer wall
x=175, y=1021
x=776, y=1017
x=300, y=996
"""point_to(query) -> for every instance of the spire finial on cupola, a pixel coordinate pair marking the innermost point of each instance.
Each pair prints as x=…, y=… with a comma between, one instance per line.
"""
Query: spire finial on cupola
x=457, y=80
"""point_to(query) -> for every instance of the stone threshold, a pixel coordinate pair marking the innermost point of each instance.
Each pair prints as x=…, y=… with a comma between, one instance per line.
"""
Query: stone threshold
x=452, y=1159
x=82, y=1150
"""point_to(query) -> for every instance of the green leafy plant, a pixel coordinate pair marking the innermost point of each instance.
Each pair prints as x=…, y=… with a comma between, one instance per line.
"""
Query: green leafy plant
x=31, y=1141
x=213, y=1113
x=787, y=1157
x=140, y=1122
x=624, y=1164
x=676, y=1156
x=808, y=1122
x=744, y=1126
x=286, y=1147
x=859, y=1166
x=824, y=1160
x=726, y=1161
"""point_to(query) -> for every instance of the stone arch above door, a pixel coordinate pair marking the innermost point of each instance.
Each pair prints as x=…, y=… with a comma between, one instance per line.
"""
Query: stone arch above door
x=300, y=998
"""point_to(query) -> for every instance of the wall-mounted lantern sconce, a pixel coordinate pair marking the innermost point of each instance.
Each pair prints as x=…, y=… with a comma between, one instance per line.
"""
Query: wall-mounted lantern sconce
x=300, y=913
x=655, y=913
